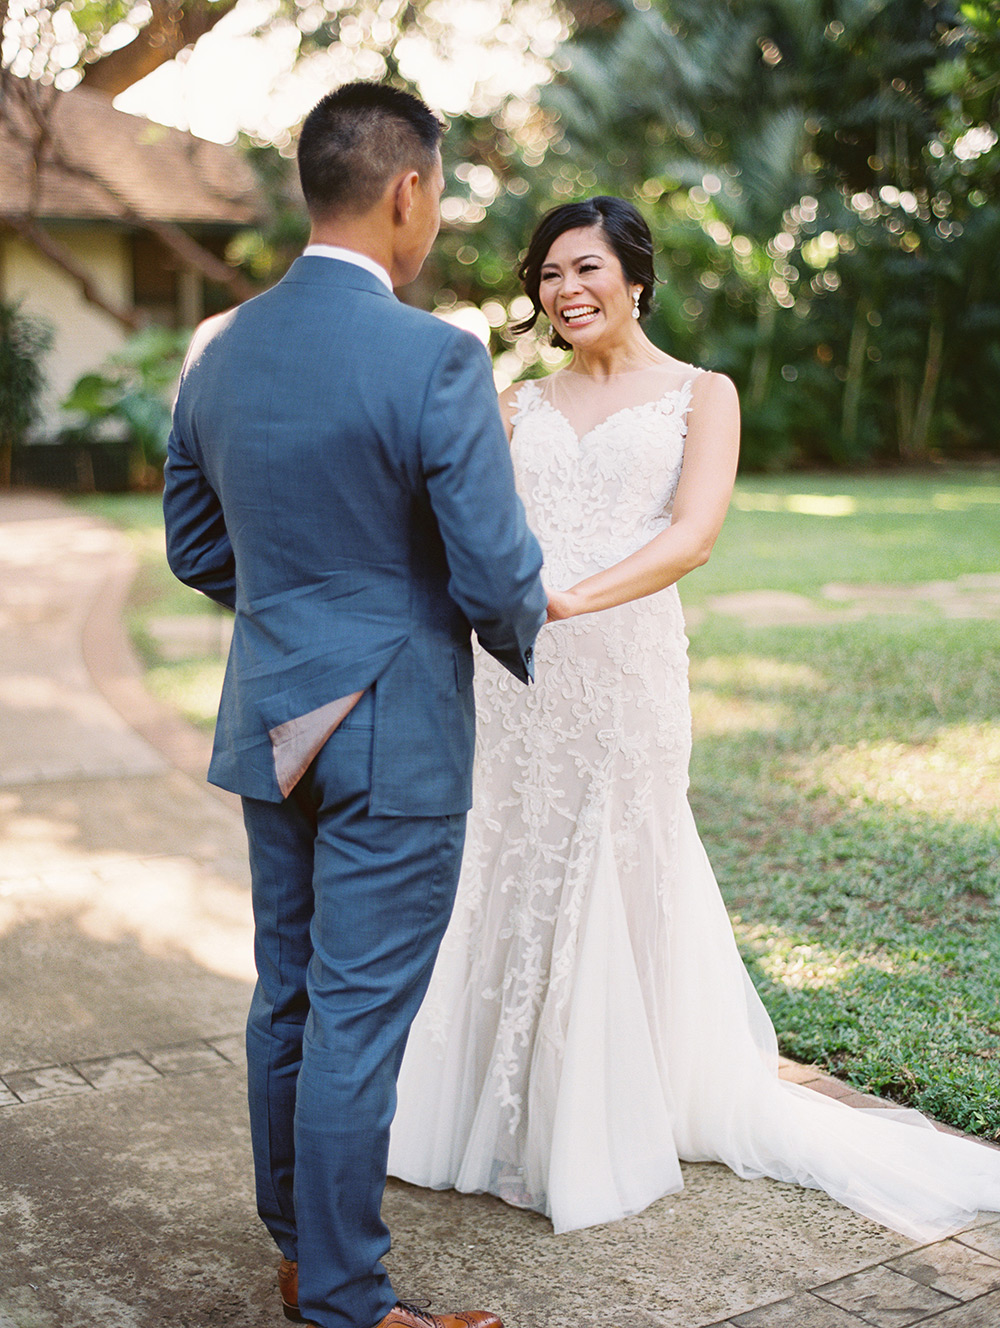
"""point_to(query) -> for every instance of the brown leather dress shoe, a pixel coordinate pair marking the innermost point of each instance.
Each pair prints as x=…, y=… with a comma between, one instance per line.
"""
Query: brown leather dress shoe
x=404, y=1316
x=288, y=1286
x=408, y=1316
x=400, y=1316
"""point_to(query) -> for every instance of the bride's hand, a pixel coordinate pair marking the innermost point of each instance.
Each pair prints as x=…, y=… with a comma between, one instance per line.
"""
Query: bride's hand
x=562, y=604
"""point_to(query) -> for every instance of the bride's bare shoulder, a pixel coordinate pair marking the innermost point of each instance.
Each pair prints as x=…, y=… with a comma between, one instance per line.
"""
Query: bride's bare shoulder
x=714, y=418
x=711, y=388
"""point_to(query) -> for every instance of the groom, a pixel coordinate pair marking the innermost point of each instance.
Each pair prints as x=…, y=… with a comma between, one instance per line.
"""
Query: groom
x=339, y=475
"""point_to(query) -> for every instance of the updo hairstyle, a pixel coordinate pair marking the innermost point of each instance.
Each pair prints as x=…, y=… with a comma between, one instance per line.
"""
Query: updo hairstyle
x=623, y=227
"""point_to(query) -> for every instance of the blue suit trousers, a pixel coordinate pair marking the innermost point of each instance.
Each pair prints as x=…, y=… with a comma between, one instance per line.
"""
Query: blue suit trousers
x=349, y=911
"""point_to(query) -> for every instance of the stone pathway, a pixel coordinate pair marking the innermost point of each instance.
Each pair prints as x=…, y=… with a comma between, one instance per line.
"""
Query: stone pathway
x=976, y=595
x=125, y=970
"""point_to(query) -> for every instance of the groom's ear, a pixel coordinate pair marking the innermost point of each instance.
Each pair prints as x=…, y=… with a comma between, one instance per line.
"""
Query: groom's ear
x=404, y=195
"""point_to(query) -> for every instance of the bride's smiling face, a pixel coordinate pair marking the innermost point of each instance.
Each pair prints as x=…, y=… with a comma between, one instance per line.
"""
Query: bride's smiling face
x=583, y=290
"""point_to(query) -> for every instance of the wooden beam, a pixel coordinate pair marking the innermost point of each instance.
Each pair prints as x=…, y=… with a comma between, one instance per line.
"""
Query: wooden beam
x=196, y=256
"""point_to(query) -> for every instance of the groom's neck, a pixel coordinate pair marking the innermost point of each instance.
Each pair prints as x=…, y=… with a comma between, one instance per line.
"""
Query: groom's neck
x=358, y=234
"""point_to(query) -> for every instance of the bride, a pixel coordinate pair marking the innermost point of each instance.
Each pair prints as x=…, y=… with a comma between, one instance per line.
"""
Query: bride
x=590, y=1022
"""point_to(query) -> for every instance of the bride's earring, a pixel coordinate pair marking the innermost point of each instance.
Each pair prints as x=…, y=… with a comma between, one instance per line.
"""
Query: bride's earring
x=635, y=302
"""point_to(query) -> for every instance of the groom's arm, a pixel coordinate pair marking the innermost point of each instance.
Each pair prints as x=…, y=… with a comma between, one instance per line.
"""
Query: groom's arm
x=198, y=548
x=493, y=558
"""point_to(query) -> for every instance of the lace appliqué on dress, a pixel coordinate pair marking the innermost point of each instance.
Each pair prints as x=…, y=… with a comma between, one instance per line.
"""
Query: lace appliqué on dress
x=585, y=767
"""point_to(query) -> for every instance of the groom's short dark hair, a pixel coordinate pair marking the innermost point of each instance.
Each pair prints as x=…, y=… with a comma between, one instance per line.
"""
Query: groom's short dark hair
x=356, y=139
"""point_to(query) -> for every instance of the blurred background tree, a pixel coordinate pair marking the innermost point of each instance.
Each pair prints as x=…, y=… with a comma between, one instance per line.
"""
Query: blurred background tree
x=822, y=179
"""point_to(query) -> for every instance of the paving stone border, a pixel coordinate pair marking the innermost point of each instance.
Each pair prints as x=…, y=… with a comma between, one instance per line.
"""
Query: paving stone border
x=974, y=595
x=121, y=1070
x=952, y=1284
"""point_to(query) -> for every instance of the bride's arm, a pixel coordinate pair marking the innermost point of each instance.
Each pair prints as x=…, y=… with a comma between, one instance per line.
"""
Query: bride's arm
x=703, y=492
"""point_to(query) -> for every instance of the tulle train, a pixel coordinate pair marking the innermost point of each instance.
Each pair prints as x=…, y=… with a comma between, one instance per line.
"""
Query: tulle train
x=639, y=1079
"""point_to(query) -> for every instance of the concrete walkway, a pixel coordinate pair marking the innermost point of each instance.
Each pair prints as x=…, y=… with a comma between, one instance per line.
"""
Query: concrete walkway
x=125, y=971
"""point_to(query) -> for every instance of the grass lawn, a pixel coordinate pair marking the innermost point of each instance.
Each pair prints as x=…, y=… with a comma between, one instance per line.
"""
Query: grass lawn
x=192, y=682
x=799, y=532
x=846, y=776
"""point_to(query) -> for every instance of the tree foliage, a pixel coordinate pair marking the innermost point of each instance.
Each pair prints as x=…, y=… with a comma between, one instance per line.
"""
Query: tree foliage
x=821, y=177
x=106, y=44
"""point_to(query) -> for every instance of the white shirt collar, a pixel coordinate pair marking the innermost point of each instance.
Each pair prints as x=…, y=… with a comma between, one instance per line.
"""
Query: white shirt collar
x=349, y=256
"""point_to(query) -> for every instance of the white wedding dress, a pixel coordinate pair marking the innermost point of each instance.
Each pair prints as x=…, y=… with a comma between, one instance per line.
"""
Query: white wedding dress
x=590, y=1021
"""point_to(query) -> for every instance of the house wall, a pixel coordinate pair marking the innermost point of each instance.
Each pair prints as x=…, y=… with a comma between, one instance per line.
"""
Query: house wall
x=84, y=335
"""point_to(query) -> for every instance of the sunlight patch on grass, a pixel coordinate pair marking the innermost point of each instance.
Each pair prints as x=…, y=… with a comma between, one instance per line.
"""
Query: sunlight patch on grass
x=805, y=504
x=148, y=540
x=961, y=500
x=713, y=715
x=819, y=504
x=192, y=688
x=758, y=671
x=954, y=774
x=726, y=693
x=799, y=965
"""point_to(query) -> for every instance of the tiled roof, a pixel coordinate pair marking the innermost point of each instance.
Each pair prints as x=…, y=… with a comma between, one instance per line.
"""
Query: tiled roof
x=118, y=164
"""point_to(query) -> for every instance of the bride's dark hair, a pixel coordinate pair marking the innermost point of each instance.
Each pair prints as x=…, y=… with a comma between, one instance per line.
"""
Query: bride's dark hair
x=625, y=230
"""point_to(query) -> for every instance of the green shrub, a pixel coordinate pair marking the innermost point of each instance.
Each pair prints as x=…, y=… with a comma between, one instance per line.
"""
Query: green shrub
x=134, y=389
x=23, y=343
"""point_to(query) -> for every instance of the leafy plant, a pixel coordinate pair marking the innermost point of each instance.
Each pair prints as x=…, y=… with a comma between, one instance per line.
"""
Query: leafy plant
x=23, y=343
x=134, y=388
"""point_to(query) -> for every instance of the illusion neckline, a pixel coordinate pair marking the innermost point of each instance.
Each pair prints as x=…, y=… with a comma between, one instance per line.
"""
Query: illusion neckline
x=657, y=402
x=676, y=365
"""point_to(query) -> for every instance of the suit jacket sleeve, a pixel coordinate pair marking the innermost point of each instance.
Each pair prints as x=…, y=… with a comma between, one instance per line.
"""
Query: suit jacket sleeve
x=198, y=547
x=493, y=558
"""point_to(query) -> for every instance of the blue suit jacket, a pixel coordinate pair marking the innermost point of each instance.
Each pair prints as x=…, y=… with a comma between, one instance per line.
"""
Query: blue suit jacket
x=339, y=475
